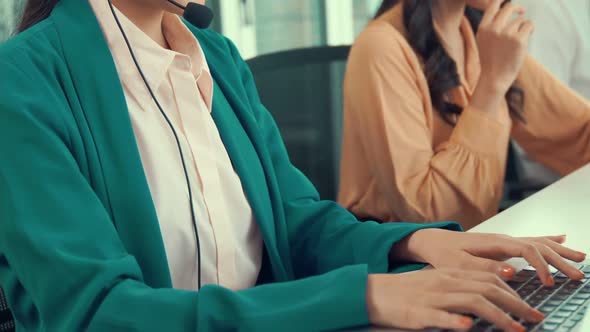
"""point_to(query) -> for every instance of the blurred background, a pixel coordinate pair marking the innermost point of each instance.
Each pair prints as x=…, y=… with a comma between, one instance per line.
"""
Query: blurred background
x=9, y=12
x=265, y=26
x=293, y=48
x=308, y=105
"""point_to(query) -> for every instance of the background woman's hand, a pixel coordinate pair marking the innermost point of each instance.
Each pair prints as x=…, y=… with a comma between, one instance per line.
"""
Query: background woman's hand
x=486, y=252
x=440, y=298
x=502, y=39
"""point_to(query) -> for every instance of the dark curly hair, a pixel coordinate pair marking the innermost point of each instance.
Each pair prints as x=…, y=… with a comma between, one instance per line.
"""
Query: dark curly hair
x=440, y=69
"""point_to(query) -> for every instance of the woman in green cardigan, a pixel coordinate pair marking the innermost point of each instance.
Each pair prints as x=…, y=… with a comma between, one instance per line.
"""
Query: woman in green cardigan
x=94, y=213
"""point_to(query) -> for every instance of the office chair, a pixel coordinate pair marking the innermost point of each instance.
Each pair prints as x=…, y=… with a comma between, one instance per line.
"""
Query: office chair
x=302, y=88
x=516, y=187
x=6, y=321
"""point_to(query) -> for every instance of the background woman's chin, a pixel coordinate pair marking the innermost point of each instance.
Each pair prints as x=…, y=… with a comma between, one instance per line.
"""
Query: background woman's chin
x=479, y=4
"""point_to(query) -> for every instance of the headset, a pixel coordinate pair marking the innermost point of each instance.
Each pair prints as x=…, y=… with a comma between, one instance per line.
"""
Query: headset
x=200, y=16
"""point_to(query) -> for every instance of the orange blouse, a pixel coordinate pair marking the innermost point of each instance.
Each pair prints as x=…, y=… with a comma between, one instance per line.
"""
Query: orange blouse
x=402, y=161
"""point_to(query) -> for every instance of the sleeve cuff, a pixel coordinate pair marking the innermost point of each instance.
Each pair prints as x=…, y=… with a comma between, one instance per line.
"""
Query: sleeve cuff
x=348, y=290
x=481, y=133
x=403, y=268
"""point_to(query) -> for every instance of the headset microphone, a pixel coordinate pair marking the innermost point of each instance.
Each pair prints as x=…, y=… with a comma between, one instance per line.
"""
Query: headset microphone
x=196, y=14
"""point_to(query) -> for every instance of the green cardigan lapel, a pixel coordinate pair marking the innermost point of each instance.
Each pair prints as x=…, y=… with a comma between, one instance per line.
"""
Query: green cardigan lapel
x=100, y=99
x=247, y=165
x=103, y=106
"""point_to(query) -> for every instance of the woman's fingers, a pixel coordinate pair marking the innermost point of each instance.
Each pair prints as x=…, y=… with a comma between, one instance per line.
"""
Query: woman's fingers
x=559, y=263
x=467, y=261
x=555, y=254
x=531, y=254
x=505, y=300
x=495, y=279
x=550, y=251
x=565, y=252
x=441, y=319
x=491, y=12
x=526, y=30
x=493, y=290
x=528, y=250
x=539, y=253
x=480, y=306
x=485, y=270
x=514, y=27
x=505, y=14
x=559, y=238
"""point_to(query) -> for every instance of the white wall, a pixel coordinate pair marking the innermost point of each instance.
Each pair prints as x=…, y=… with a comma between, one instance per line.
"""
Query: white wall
x=8, y=16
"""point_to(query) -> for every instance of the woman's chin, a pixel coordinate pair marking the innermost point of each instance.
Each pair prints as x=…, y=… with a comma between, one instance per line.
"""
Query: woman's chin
x=479, y=4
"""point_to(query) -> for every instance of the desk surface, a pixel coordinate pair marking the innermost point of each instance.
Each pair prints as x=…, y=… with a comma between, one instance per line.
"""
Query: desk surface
x=562, y=208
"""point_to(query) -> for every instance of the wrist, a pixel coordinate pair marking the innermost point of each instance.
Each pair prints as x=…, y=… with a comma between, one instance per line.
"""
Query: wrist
x=415, y=248
x=375, y=285
x=488, y=95
x=493, y=85
x=370, y=297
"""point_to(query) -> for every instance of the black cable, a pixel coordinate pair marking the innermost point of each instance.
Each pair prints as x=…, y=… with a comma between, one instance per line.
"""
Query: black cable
x=177, y=4
x=188, y=183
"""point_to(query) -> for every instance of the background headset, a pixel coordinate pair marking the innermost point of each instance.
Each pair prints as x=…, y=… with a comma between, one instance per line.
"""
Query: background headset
x=200, y=16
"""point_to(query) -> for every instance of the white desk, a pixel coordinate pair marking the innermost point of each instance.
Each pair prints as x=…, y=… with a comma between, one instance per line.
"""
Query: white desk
x=562, y=208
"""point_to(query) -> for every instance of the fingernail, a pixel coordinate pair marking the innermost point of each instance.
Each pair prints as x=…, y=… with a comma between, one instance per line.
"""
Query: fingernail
x=537, y=315
x=517, y=327
x=507, y=272
x=550, y=281
x=466, y=322
x=581, y=275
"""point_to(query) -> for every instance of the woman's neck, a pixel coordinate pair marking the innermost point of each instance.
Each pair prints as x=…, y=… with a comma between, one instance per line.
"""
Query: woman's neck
x=146, y=16
x=448, y=15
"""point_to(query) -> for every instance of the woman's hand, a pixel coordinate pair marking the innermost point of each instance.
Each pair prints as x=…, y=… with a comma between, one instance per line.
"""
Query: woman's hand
x=502, y=39
x=485, y=252
x=439, y=298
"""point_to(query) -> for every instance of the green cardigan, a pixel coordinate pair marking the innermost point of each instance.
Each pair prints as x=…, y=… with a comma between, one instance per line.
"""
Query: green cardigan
x=80, y=244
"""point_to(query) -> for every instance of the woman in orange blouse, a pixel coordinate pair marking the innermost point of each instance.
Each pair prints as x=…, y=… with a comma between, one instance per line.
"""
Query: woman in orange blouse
x=434, y=91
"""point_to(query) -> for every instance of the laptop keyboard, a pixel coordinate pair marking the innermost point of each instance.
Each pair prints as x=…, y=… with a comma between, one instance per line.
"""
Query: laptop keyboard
x=564, y=305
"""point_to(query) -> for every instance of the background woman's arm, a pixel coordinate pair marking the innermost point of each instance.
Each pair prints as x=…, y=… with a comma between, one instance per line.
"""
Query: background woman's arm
x=388, y=101
x=557, y=128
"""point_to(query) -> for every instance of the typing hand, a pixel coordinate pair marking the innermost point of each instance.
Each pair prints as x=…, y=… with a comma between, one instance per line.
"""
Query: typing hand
x=434, y=298
x=486, y=252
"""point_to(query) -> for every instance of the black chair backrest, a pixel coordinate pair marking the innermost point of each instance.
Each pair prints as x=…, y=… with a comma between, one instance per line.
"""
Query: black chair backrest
x=6, y=321
x=516, y=185
x=302, y=88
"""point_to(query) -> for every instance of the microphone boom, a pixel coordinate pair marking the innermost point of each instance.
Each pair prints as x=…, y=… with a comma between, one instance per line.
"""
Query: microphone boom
x=196, y=14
